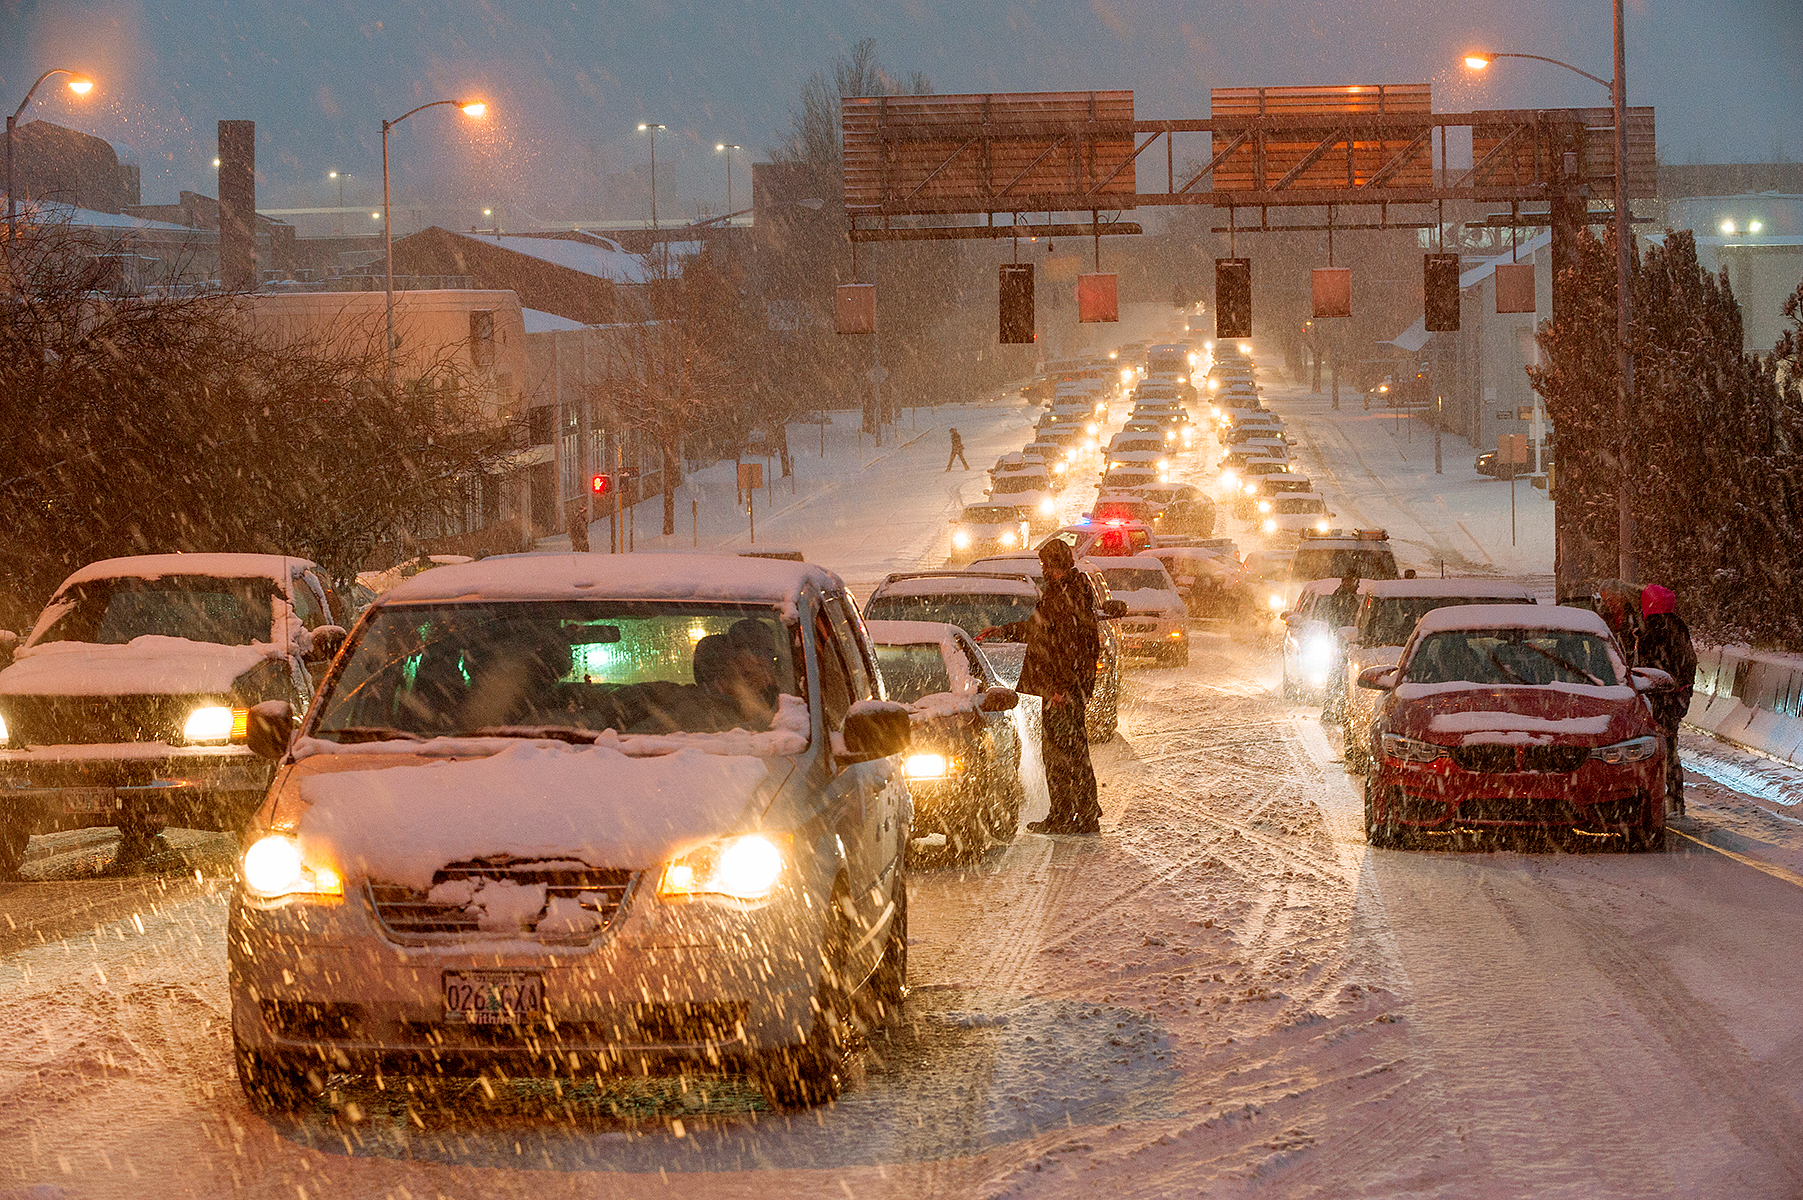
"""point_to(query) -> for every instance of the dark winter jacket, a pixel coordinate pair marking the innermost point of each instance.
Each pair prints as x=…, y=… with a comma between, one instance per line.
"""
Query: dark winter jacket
x=1062, y=640
x=1664, y=643
x=957, y=443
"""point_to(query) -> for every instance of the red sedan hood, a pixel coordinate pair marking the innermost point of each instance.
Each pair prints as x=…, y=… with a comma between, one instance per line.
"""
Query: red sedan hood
x=1451, y=714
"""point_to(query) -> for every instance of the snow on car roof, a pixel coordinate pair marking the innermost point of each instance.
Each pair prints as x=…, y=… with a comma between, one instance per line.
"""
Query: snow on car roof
x=1511, y=616
x=960, y=585
x=722, y=577
x=156, y=566
x=1444, y=587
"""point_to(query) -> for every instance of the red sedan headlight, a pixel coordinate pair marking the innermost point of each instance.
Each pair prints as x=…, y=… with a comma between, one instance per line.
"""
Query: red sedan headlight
x=1409, y=750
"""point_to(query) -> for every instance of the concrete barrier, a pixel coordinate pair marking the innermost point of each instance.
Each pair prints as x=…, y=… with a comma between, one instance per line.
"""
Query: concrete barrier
x=1751, y=699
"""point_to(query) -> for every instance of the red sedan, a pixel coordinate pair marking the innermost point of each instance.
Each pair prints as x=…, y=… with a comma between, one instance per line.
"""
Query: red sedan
x=1515, y=716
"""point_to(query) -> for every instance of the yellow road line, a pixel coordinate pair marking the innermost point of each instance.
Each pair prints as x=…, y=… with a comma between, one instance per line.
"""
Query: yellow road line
x=1790, y=877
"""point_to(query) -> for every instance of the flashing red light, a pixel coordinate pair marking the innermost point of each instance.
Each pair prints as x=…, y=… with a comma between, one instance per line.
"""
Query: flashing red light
x=600, y=485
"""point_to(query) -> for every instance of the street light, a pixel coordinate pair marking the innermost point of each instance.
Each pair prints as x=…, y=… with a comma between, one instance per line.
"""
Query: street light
x=471, y=108
x=727, y=148
x=652, y=128
x=1624, y=303
x=81, y=85
x=340, y=177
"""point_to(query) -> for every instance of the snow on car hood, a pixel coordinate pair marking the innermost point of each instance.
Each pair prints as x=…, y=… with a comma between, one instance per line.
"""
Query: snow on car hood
x=151, y=665
x=400, y=819
x=1474, y=714
x=1149, y=601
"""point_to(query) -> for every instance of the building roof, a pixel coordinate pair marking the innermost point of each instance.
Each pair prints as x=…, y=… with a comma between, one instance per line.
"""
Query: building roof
x=544, y=322
x=603, y=261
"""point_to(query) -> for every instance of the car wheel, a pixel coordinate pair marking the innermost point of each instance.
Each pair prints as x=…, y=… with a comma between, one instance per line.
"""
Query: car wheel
x=813, y=1072
x=889, y=986
x=13, y=838
x=1380, y=835
x=274, y=1084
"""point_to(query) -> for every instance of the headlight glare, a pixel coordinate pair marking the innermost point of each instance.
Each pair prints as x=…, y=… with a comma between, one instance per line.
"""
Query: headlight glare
x=215, y=723
x=742, y=868
x=1632, y=751
x=1270, y=525
x=1008, y=538
x=926, y=766
x=1047, y=507
x=274, y=867
x=1409, y=750
x=961, y=539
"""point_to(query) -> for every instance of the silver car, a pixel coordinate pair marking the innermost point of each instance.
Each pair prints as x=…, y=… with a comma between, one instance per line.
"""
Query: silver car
x=579, y=814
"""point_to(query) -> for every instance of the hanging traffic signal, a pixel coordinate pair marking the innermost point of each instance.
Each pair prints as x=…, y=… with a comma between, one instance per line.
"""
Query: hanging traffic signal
x=1098, y=297
x=601, y=485
x=1440, y=286
x=1017, y=303
x=1233, y=298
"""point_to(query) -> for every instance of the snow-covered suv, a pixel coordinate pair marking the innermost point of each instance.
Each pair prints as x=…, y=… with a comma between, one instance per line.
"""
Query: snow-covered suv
x=129, y=702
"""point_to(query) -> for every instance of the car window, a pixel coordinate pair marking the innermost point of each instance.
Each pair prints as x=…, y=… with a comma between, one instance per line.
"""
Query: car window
x=307, y=605
x=972, y=612
x=1388, y=620
x=835, y=685
x=1323, y=563
x=913, y=671
x=1499, y=657
x=201, y=608
x=863, y=674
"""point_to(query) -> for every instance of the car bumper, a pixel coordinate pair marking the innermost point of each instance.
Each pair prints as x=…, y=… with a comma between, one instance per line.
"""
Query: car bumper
x=72, y=787
x=1143, y=636
x=1597, y=798
x=662, y=986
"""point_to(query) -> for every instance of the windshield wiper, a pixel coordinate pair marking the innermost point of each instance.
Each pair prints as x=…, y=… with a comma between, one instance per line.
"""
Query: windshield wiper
x=369, y=733
x=1563, y=662
x=560, y=733
x=1500, y=665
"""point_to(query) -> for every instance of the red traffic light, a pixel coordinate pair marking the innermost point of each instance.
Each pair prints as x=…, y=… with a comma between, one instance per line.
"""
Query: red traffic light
x=600, y=485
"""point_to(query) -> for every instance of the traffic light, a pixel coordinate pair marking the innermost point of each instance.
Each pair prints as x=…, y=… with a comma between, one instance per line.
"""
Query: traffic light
x=1440, y=285
x=1233, y=298
x=1017, y=302
x=601, y=485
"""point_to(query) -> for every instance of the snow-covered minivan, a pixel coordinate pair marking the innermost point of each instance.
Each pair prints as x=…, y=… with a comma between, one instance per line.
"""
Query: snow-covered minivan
x=127, y=705
x=574, y=814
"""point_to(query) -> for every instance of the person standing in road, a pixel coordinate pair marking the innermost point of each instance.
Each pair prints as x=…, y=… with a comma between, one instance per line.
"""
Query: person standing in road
x=1060, y=667
x=957, y=454
x=1618, y=604
x=1665, y=644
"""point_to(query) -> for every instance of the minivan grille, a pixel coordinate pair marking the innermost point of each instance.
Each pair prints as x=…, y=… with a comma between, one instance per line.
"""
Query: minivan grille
x=410, y=916
x=94, y=720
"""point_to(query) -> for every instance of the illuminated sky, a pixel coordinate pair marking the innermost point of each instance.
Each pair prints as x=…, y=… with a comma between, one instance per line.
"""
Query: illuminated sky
x=568, y=82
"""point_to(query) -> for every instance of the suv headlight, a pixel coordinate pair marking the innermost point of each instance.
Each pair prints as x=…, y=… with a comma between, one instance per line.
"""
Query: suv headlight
x=1632, y=751
x=1410, y=750
x=960, y=539
x=216, y=723
x=741, y=868
x=930, y=766
x=274, y=867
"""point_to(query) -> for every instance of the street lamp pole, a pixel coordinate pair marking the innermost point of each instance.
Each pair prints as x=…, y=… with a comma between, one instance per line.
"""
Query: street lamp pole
x=728, y=148
x=340, y=177
x=1627, y=568
x=652, y=128
x=81, y=85
x=471, y=108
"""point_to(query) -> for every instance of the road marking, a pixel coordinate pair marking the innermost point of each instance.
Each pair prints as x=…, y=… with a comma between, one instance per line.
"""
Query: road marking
x=1775, y=872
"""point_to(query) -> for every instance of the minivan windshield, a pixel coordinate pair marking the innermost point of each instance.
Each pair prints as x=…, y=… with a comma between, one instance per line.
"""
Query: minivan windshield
x=488, y=667
x=973, y=612
x=201, y=608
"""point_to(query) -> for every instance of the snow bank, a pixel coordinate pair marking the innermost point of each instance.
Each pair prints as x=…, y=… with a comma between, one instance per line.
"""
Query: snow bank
x=530, y=800
x=152, y=665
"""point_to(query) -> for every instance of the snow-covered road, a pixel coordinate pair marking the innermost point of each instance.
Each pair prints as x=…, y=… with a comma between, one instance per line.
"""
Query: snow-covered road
x=1227, y=994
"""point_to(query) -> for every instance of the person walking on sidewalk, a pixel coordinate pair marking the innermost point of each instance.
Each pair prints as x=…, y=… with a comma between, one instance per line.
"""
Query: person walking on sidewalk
x=957, y=454
x=1665, y=644
x=1060, y=667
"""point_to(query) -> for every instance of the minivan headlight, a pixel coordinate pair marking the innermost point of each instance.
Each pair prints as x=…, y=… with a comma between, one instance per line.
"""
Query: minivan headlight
x=741, y=868
x=216, y=723
x=1632, y=751
x=274, y=866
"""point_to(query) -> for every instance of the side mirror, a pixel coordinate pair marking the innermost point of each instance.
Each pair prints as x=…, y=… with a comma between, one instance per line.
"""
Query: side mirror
x=1651, y=679
x=999, y=699
x=1378, y=679
x=269, y=729
x=876, y=729
x=1113, y=609
x=327, y=641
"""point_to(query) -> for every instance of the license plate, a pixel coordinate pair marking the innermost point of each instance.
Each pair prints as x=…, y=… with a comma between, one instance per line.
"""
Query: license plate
x=493, y=997
x=89, y=800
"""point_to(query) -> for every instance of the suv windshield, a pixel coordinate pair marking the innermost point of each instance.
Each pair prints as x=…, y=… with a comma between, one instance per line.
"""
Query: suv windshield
x=464, y=669
x=992, y=515
x=1135, y=579
x=1323, y=563
x=1293, y=506
x=973, y=612
x=910, y=672
x=1388, y=620
x=1512, y=656
x=201, y=608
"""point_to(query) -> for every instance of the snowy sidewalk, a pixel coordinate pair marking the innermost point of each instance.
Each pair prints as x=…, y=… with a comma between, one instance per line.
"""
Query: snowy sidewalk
x=1377, y=471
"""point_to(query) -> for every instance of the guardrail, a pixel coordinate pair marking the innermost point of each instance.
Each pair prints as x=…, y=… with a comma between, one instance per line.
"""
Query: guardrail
x=1750, y=698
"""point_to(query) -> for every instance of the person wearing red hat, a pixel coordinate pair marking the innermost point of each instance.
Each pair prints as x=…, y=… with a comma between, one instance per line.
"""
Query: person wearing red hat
x=1665, y=643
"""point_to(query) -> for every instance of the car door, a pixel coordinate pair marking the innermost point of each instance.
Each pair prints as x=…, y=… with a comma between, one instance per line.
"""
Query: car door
x=888, y=792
